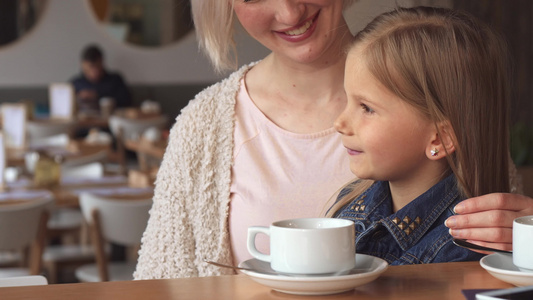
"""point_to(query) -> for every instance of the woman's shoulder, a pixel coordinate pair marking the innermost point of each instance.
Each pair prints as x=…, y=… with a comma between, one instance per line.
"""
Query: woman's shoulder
x=219, y=95
x=211, y=112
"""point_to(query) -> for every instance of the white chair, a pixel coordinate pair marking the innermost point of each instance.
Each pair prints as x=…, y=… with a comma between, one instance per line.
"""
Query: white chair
x=23, y=227
x=40, y=129
x=58, y=140
x=127, y=128
x=58, y=258
x=111, y=220
x=91, y=170
x=124, y=129
x=67, y=219
x=23, y=281
x=10, y=259
x=99, y=156
x=65, y=222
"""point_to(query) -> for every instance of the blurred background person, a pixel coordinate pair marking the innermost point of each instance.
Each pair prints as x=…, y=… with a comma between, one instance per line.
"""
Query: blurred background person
x=96, y=82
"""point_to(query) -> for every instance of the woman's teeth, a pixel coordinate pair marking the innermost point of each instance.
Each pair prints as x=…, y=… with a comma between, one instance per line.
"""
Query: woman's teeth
x=300, y=30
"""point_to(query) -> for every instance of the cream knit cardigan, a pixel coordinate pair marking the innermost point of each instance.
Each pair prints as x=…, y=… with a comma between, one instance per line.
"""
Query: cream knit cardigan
x=189, y=217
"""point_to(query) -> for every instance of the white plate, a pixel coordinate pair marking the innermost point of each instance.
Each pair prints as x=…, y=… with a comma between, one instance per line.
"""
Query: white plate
x=501, y=266
x=367, y=268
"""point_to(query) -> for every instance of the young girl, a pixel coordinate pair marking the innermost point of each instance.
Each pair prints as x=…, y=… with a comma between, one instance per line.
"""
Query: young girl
x=426, y=126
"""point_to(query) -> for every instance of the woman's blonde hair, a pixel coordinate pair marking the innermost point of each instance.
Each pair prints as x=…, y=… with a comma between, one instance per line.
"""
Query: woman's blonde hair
x=453, y=69
x=213, y=21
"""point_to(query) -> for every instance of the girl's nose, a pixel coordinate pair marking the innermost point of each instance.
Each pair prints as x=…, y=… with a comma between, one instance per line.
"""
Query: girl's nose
x=341, y=124
x=291, y=12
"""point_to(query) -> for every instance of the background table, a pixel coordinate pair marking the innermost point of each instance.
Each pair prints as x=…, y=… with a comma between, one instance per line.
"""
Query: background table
x=77, y=149
x=432, y=281
x=66, y=194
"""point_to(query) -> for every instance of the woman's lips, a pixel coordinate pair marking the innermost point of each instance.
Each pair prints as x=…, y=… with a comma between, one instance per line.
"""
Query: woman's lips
x=300, y=32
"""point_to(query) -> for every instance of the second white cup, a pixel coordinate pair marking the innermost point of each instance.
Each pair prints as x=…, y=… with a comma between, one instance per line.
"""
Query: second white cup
x=307, y=245
x=523, y=243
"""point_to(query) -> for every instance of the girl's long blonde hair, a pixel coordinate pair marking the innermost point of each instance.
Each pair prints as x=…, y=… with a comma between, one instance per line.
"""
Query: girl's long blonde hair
x=213, y=21
x=453, y=69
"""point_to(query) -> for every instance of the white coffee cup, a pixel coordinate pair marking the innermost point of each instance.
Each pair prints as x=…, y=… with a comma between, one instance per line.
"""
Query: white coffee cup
x=307, y=245
x=30, y=159
x=523, y=243
x=106, y=106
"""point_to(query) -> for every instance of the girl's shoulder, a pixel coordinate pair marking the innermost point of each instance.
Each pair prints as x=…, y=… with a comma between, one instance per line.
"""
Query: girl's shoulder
x=348, y=188
x=348, y=194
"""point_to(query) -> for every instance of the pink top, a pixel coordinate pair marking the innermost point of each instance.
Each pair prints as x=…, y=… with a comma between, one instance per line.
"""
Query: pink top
x=278, y=174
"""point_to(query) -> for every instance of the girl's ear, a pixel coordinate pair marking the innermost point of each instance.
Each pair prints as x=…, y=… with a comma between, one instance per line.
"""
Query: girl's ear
x=442, y=143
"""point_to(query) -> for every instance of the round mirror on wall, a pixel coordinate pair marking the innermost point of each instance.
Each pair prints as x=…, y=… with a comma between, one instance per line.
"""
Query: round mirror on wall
x=18, y=17
x=151, y=23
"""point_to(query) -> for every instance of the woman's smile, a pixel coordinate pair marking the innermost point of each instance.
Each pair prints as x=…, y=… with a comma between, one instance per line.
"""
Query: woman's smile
x=301, y=31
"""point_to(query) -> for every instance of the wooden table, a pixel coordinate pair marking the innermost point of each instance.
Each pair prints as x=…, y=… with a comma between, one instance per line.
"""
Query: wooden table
x=433, y=281
x=77, y=149
x=154, y=149
x=88, y=122
x=66, y=194
x=81, y=122
x=149, y=154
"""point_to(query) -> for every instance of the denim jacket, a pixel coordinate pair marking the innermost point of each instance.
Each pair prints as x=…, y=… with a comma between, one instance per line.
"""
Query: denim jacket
x=415, y=234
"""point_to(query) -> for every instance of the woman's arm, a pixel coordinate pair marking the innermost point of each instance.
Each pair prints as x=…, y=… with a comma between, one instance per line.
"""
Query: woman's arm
x=168, y=245
x=488, y=220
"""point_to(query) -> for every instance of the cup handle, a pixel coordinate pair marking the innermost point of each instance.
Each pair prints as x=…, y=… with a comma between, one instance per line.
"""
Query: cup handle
x=252, y=233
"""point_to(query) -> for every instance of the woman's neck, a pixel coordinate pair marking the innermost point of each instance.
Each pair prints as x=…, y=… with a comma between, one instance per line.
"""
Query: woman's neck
x=304, y=83
x=299, y=101
x=301, y=98
x=309, y=79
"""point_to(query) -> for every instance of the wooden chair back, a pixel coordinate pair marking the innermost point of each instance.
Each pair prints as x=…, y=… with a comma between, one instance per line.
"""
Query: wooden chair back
x=23, y=227
x=112, y=220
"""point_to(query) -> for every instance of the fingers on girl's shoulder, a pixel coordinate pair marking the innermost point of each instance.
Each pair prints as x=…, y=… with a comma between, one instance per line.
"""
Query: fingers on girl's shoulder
x=494, y=201
x=482, y=203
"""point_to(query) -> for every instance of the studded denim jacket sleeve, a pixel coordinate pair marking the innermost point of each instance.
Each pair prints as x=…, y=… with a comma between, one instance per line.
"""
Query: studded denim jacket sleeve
x=413, y=235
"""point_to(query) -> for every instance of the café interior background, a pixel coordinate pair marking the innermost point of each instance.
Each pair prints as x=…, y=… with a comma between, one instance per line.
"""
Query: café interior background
x=172, y=74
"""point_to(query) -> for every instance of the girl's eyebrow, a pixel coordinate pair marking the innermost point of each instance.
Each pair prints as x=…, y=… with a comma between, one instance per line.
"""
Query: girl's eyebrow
x=368, y=101
x=360, y=98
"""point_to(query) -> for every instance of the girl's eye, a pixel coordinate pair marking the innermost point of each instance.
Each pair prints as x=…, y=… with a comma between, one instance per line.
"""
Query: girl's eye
x=366, y=109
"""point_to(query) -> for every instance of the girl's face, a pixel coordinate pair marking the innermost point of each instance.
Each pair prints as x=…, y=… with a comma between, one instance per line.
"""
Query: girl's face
x=386, y=138
x=302, y=30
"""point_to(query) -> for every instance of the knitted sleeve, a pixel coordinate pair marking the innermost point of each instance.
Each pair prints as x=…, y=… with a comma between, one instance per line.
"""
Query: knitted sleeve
x=167, y=245
x=189, y=217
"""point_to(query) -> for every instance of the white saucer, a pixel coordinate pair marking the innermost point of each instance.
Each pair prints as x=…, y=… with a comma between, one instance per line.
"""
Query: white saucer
x=501, y=266
x=367, y=268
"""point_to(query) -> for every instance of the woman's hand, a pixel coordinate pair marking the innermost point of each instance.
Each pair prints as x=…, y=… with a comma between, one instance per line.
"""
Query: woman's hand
x=488, y=220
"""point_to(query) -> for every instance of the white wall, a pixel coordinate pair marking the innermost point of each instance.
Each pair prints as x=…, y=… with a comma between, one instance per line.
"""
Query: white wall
x=50, y=53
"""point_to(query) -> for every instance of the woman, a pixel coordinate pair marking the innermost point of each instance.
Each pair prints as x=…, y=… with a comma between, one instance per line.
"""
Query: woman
x=270, y=149
x=262, y=139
